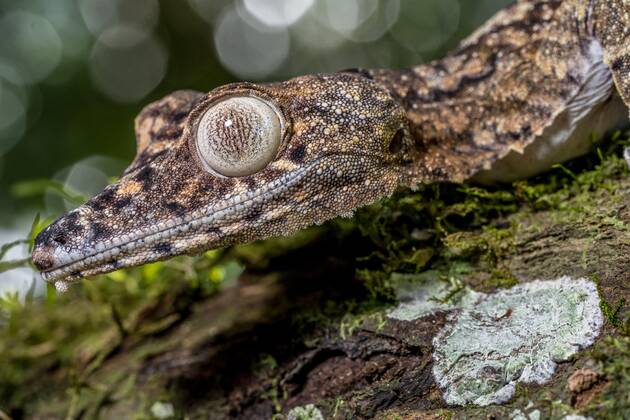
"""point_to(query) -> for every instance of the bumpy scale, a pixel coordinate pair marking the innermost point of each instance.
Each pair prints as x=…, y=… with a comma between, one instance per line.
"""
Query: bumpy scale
x=514, y=98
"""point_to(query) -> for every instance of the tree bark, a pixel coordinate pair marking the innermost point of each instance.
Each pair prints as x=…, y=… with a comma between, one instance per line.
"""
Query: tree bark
x=281, y=338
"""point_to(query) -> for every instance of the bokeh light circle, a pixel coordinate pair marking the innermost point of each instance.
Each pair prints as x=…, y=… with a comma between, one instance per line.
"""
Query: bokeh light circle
x=346, y=16
x=13, y=107
x=247, y=50
x=30, y=49
x=376, y=24
x=277, y=13
x=127, y=63
x=85, y=178
x=100, y=15
x=426, y=28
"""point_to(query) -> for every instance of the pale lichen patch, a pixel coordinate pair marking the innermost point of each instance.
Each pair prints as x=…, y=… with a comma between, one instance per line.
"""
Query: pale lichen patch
x=306, y=412
x=423, y=294
x=162, y=410
x=493, y=341
x=520, y=415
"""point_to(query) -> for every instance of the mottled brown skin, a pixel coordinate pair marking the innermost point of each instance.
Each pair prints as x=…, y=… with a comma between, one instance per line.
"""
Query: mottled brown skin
x=350, y=138
x=506, y=83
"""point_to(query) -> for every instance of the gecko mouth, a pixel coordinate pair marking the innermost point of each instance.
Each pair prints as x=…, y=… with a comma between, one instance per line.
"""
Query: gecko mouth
x=116, y=253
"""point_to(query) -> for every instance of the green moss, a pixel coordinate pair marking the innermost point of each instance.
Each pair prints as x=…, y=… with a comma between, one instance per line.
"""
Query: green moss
x=77, y=331
x=612, y=314
x=614, y=358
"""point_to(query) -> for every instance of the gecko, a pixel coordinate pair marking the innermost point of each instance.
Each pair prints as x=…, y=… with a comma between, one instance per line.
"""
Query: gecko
x=251, y=161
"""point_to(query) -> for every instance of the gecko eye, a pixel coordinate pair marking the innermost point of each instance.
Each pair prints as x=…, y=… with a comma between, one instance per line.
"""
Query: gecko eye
x=239, y=136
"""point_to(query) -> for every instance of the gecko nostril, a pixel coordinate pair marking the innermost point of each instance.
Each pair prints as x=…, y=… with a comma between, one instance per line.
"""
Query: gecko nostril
x=60, y=239
x=396, y=144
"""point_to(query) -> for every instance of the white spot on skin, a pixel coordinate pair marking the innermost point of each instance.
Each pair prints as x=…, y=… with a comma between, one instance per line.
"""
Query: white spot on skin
x=494, y=341
x=61, y=286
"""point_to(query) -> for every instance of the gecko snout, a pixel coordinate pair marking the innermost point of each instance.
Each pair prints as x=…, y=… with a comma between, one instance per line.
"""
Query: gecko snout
x=43, y=256
x=49, y=248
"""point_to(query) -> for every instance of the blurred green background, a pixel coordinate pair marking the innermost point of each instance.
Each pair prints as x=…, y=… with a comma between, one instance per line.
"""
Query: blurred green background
x=74, y=73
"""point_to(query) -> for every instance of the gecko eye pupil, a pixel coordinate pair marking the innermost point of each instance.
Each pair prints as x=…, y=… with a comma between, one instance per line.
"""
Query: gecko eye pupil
x=239, y=136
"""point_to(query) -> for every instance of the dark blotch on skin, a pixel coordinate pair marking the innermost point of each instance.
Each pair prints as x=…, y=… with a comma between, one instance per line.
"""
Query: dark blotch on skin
x=221, y=188
x=100, y=231
x=71, y=225
x=214, y=230
x=251, y=184
x=253, y=214
x=180, y=114
x=176, y=208
x=397, y=142
x=145, y=177
x=297, y=153
x=122, y=203
x=104, y=200
x=163, y=248
x=168, y=134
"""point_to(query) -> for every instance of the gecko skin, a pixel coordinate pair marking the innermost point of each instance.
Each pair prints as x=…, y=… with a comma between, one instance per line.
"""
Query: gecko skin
x=251, y=161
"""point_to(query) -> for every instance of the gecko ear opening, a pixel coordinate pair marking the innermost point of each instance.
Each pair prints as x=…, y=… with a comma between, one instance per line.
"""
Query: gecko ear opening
x=396, y=144
x=239, y=135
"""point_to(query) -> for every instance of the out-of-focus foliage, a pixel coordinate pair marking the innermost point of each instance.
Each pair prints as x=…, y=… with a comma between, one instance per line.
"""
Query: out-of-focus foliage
x=36, y=227
x=98, y=315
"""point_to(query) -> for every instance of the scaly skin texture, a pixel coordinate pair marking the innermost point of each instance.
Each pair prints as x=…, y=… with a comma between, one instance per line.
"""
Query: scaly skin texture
x=349, y=139
x=505, y=84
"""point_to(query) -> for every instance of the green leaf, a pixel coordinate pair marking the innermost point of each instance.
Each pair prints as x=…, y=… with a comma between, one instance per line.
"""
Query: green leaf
x=39, y=187
x=7, y=247
x=34, y=227
x=13, y=264
x=37, y=226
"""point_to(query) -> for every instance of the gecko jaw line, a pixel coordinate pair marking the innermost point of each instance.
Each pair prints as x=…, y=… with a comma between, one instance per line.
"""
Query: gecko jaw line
x=109, y=249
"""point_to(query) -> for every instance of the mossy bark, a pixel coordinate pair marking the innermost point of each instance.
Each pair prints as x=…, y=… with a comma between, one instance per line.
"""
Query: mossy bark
x=303, y=328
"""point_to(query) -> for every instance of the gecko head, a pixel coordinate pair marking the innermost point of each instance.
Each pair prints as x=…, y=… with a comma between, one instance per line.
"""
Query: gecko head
x=243, y=162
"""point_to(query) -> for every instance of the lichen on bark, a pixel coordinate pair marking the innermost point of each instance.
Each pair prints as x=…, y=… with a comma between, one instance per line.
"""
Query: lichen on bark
x=493, y=341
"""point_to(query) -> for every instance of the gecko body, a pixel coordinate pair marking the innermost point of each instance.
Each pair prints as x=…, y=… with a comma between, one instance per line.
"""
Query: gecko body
x=251, y=161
